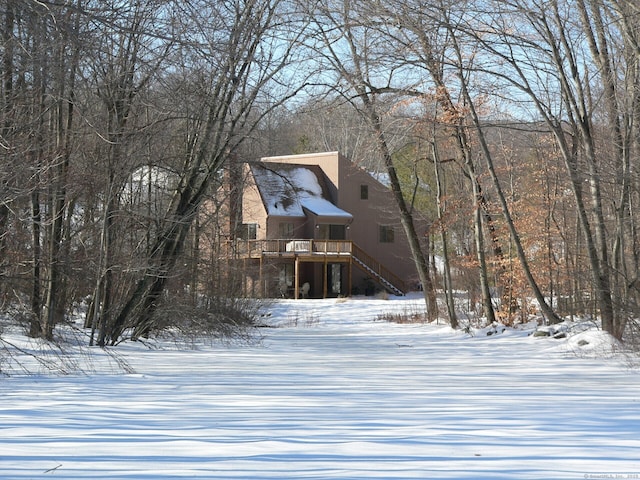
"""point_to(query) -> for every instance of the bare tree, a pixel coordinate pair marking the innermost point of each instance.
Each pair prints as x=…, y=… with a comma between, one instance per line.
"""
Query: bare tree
x=127, y=56
x=40, y=64
x=350, y=48
x=240, y=48
x=8, y=21
x=424, y=43
x=92, y=91
x=545, y=60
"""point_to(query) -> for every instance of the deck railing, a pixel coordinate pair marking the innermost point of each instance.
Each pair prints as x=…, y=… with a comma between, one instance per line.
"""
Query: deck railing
x=386, y=276
x=257, y=248
x=297, y=247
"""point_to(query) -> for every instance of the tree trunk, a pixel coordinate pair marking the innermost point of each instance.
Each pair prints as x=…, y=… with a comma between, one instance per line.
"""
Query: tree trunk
x=406, y=219
x=138, y=311
x=547, y=311
x=35, y=327
x=487, y=304
x=454, y=120
x=593, y=26
x=63, y=123
x=8, y=25
x=446, y=267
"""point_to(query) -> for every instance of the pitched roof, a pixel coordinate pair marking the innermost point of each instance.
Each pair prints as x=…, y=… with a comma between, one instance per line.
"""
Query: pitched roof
x=289, y=189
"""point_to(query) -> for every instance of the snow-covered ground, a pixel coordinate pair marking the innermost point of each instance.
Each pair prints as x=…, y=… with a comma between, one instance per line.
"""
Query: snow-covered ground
x=333, y=393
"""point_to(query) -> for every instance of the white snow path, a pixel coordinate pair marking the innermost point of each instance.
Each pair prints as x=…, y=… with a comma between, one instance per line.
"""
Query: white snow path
x=343, y=398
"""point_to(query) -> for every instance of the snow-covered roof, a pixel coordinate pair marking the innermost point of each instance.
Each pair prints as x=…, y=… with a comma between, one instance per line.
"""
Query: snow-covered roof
x=289, y=189
x=150, y=185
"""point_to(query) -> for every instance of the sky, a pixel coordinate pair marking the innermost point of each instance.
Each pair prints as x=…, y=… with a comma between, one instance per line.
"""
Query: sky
x=327, y=390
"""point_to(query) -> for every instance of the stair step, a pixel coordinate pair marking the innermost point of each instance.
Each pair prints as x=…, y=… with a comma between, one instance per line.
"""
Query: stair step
x=379, y=277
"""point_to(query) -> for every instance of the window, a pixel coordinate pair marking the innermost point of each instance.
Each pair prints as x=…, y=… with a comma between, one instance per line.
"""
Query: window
x=386, y=234
x=248, y=231
x=364, y=192
x=285, y=230
x=285, y=280
x=331, y=232
x=285, y=275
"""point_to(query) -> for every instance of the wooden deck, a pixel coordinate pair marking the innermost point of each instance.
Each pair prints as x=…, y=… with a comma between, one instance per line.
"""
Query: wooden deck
x=289, y=248
x=307, y=250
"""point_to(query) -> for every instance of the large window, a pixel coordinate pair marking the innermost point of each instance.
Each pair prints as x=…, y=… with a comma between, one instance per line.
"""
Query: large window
x=331, y=232
x=285, y=279
x=248, y=231
x=285, y=230
x=386, y=234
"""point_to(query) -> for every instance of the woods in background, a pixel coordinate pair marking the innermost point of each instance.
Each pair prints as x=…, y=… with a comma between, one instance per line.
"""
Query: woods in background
x=511, y=126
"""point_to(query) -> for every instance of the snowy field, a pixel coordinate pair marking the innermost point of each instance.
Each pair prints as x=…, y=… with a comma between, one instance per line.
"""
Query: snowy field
x=333, y=393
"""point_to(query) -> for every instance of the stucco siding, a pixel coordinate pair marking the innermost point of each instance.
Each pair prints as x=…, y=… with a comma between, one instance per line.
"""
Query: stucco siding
x=344, y=182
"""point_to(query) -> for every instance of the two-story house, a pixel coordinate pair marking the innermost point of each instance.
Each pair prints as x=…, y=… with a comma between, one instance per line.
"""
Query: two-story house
x=316, y=225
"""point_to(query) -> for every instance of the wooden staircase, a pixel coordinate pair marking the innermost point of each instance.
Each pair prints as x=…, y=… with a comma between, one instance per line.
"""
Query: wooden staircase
x=379, y=272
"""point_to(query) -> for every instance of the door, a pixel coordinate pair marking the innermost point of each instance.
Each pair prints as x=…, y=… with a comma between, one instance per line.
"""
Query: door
x=334, y=279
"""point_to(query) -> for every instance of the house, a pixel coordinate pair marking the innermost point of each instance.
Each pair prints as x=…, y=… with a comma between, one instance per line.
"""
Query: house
x=317, y=225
